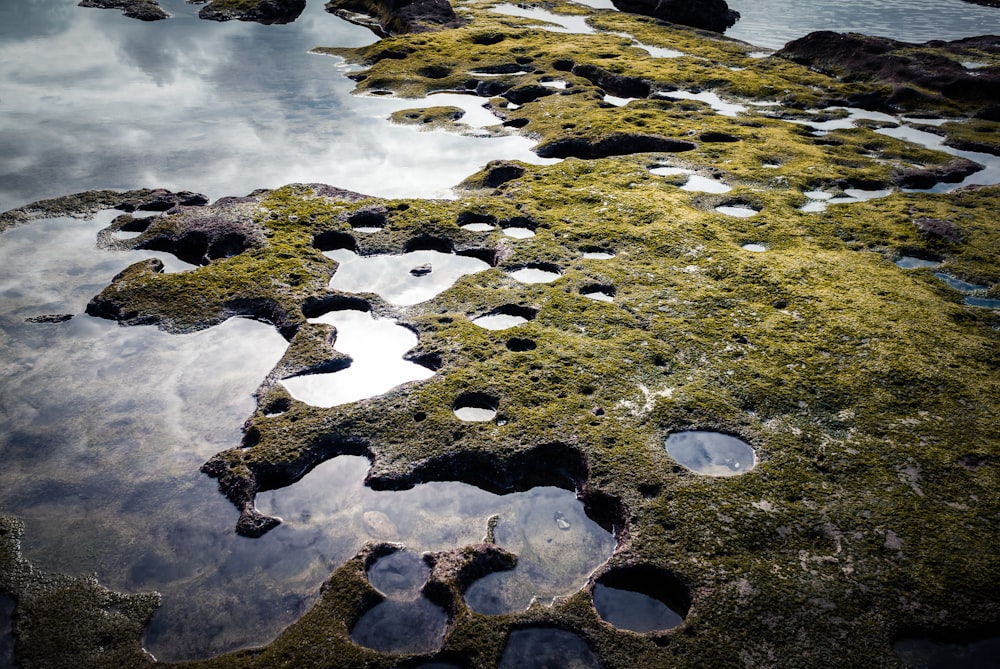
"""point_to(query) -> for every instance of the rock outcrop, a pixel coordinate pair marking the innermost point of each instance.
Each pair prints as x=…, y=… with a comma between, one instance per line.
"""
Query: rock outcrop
x=918, y=74
x=714, y=15
x=392, y=17
x=144, y=10
x=261, y=11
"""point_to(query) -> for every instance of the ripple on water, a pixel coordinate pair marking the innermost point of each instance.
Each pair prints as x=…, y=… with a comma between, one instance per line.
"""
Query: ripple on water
x=711, y=453
x=543, y=647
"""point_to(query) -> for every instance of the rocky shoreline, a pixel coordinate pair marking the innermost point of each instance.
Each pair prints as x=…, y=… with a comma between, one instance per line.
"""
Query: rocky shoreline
x=866, y=390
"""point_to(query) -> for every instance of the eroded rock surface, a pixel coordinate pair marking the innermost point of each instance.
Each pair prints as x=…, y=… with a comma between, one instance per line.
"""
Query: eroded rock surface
x=714, y=15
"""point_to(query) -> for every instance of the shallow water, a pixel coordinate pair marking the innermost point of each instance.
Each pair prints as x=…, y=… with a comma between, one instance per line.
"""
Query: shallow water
x=772, y=23
x=545, y=648
x=389, y=275
x=188, y=104
x=754, y=248
x=499, y=321
x=627, y=609
x=717, y=104
x=402, y=626
x=475, y=414
x=376, y=347
x=711, y=453
x=324, y=516
x=909, y=262
x=534, y=275
x=104, y=429
x=737, y=211
x=560, y=23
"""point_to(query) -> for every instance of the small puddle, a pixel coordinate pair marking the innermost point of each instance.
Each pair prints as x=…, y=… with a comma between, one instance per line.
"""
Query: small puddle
x=958, y=284
x=737, y=211
x=559, y=23
x=478, y=227
x=754, y=248
x=599, y=293
x=544, y=647
x=927, y=654
x=631, y=610
x=389, y=275
x=820, y=199
x=695, y=183
x=476, y=114
x=536, y=274
x=617, y=101
x=519, y=233
x=557, y=548
x=476, y=407
x=718, y=105
x=911, y=262
x=983, y=302
x=598, y=255
x=406, y=622
x=376, y=347
x=499, y=321
x=711, y=453
x=557, y=84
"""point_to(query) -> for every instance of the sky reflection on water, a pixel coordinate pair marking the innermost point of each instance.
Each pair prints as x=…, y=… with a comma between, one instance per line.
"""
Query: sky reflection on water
x=91, y=99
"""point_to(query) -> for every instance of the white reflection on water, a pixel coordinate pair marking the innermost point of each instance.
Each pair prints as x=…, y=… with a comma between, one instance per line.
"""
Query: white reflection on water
x=376, y=347
x=772, y=23
x=389, y=275
x=218, y=108
x=102, y=432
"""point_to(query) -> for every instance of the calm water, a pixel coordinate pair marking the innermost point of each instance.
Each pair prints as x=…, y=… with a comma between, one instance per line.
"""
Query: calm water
x=773, y=23
x=91, y=99
x=104, y=428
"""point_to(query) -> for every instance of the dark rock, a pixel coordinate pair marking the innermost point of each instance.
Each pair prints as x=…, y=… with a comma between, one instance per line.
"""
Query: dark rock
x=393, y=17
x=144, y=10
x=264, y=11
x=498, y=173
x=421, y=270
x=198, y=235
x=529, y=93
x=985, y=3
x=49, y=318
x=615, y=84
x=920, y=74
x=718, y=137
x=613, y=145
x=936, y=227
x=951, y=172
x=712, y=15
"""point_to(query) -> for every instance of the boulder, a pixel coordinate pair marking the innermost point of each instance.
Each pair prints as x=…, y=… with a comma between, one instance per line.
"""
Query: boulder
x=263, y=11
x=392, y=17
x=714, y=15
x=144, y=10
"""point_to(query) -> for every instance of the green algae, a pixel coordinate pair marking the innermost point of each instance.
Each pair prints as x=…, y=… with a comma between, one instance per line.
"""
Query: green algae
x=869, y=392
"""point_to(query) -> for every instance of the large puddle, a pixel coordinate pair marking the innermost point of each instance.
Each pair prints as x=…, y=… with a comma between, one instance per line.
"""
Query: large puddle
x=376, y=347
x=401, y=279
x=330, y=513
x=544, y=647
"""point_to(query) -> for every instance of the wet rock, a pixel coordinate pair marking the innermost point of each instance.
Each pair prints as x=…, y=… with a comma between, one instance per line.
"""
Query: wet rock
x=922, y=75
x=144, y=10
x=952, y=172
x=49, y=318
x=613, y=83
x=712, y=15
x=613, y=145
x=264, y=11
x=392, y=17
